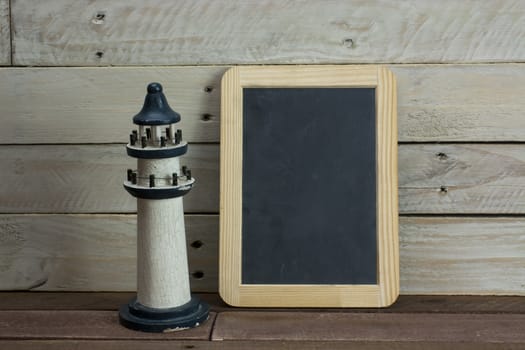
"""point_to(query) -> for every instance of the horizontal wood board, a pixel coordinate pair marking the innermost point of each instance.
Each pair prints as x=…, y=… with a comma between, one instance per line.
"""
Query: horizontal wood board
x=448, y=304
x=438, y=255
x=71, y=324
x=462, y=179
x=88, y=178
x=92, y=252
x=454, y=255
x=85, y=105
x=433, y=178
x=38, y=300
x=105, y=32
x=95, y=105
x=369, y=327
x=5, y=34
x=247, y=344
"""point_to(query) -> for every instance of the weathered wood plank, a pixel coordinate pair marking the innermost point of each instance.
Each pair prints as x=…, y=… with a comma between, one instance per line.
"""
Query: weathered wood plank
x=438, y=179
x=91, y=252
x=5, y=34
x=460, y=103
x=86, y=179
x=95, y=105
x=326, y=326
x=19, y=300
x=38, y=300
x=82, y=105
x=106, y=32
x=438, y=255
x=462, y=179
x=468, y=304
x=450, y=304
x=243, y=345
x=101, y=325
x=462, y=255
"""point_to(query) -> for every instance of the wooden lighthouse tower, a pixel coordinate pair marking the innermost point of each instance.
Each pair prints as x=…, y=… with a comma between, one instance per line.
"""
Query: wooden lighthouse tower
x=163, y=301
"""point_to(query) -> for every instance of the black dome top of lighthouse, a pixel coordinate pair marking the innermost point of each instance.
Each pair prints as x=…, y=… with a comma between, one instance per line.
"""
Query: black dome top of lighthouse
x=156, y=110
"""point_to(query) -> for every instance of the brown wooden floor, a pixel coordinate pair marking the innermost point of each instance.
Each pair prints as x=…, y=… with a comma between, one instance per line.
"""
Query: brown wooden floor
x=89, y=321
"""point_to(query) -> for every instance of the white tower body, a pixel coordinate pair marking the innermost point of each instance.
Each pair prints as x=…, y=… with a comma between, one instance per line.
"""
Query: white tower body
x=162, y=265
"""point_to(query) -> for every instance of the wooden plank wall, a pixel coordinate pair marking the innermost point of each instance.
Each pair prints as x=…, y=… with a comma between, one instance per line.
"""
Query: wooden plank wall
x=67, y=224
x=157, y=32
x=5, y=34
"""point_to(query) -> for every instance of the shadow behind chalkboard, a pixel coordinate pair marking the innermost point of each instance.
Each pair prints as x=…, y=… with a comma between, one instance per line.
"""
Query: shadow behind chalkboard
x=309, y=186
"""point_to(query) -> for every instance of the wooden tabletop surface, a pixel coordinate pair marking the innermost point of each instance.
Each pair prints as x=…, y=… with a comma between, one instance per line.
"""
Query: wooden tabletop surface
x=33, y=320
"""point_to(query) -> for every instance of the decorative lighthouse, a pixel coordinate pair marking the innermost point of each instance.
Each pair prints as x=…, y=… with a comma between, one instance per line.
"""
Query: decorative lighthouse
x=163, y=301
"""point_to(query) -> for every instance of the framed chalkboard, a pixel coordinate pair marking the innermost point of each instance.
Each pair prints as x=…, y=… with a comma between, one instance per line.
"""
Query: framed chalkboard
x=309, y=187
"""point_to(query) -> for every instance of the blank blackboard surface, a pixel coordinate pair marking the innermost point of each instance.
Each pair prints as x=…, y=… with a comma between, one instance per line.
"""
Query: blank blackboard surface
x=308, y=187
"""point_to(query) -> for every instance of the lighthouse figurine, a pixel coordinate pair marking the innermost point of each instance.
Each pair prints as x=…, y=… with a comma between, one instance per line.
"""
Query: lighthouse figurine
x=163, y=302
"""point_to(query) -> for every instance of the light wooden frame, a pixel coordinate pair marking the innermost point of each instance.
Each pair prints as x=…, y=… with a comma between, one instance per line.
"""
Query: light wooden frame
x=231, y=289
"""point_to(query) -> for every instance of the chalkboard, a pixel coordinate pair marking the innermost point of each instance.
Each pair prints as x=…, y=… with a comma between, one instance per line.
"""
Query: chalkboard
x=308, y=187
x=302, y=198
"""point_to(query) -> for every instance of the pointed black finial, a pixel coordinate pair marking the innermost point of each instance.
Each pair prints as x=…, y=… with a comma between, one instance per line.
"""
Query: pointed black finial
x=156, y=110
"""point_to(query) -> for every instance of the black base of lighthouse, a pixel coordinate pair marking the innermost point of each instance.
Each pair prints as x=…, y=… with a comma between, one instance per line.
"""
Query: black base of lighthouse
x=142, y=318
